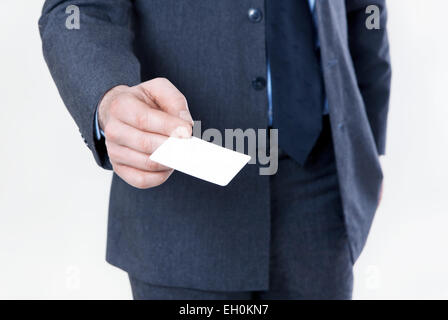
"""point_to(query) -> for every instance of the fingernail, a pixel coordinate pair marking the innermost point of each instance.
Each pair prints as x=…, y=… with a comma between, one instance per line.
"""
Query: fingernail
x=185, y=115
x=181, y=132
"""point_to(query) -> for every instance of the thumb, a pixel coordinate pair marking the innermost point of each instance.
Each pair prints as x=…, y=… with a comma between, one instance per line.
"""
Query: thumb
x=168, y=98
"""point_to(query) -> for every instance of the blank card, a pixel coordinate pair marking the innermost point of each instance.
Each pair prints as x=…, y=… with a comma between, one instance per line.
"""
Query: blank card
x=200, y=159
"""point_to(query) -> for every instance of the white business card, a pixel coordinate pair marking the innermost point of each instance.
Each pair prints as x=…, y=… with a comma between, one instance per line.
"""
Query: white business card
x=200, y=159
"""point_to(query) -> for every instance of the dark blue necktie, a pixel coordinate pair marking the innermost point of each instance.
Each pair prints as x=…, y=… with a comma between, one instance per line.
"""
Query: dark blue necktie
x=297, y=85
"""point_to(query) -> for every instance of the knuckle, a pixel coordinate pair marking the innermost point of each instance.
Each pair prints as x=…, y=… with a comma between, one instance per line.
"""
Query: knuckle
x=119, y=102
x=113, y=153
x=166, y=128
x=145, y=144
x=111, y=132
x=179, y=100
x=115, y=105
x=162, y=80
x=125, y=101
x=143, y=121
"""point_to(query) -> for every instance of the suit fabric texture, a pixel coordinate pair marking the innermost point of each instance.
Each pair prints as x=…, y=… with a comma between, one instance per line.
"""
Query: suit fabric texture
x=309, y=250
x=189, y=233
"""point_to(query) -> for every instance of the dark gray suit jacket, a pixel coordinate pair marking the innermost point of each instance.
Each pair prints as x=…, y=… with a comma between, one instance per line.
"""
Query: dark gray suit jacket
x=188, y=232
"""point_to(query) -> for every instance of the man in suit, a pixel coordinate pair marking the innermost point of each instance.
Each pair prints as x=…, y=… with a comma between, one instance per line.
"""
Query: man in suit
x=311, y=69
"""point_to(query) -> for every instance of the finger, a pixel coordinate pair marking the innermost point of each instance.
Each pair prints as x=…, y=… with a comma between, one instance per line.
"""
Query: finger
x=127, y=136
x=141, y=179
x=168, y=98
x=131, y=158
x=139, y=115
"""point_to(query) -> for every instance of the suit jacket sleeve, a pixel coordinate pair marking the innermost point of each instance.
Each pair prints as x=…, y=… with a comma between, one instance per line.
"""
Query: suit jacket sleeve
x=370, y=54
x=86, y=62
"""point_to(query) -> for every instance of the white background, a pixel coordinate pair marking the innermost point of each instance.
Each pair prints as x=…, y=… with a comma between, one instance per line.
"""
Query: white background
x=53, y=197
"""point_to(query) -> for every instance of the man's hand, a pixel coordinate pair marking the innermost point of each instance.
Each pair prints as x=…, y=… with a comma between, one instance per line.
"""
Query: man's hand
x=136, y=121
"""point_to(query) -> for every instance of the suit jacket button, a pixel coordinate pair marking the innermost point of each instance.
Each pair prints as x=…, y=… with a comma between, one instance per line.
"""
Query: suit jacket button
x=259, y=83
x=255, y=15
